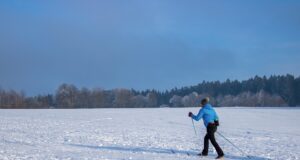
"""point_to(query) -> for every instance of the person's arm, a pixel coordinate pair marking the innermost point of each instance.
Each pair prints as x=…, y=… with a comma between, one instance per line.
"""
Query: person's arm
x=216, y=117
x=216, y=121
x=199, y=115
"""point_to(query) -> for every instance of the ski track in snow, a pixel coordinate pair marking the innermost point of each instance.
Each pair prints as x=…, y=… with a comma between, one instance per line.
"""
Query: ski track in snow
x=161, y=133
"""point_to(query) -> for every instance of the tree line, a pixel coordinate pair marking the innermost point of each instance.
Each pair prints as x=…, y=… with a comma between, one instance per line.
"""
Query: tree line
x=258, y=91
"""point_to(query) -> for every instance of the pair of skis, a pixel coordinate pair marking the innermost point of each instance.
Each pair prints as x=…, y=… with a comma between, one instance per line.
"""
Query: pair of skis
x=192, y=154
x=174, y=152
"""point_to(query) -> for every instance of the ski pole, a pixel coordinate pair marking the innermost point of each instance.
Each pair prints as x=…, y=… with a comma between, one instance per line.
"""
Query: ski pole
x=234, y=145
x=194, y=126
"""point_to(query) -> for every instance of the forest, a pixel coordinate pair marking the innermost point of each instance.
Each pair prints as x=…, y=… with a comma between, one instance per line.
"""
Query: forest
x=273, y=91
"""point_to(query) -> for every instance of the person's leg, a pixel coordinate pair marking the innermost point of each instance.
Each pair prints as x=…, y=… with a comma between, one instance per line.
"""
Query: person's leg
x=211, y=133
x=206, y=143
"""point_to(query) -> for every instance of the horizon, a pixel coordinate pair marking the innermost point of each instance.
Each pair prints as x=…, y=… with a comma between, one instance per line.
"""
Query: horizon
x=161, y=91
x=144, y=45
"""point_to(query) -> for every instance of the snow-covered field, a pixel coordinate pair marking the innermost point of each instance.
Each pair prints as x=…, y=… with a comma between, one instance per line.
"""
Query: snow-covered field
x=263, y=133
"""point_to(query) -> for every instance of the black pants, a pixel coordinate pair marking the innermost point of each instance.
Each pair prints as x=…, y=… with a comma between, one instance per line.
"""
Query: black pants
x=210, y=135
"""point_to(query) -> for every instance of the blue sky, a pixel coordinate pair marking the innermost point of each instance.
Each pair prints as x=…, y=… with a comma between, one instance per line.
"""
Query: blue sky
x=144, y=44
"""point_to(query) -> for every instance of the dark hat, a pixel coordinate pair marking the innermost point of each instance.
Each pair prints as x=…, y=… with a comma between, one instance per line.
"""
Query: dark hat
x=204, y=101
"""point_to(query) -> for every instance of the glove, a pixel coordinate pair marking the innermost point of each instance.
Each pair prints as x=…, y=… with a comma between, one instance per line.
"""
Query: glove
x=217, y=122
x=190, y=114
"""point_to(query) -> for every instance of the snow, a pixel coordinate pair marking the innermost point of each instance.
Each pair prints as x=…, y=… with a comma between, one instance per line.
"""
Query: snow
x=263, y=133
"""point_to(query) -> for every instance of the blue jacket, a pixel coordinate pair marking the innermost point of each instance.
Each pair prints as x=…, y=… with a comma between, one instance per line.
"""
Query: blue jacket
x=207, y=113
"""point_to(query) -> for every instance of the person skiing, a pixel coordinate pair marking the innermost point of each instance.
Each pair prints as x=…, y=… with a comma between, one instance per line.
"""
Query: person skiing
x=211, y=121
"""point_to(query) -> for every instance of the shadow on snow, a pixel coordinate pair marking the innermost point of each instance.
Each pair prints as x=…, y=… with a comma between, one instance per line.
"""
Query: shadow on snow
x=158, y=151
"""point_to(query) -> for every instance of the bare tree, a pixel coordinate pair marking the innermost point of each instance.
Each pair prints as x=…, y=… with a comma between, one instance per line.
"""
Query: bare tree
x=66, y=96
x=176, y=101
x=122, y=98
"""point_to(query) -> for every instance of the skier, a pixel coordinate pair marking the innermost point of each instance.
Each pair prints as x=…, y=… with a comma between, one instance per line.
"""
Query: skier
x=211, y=121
